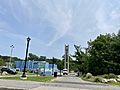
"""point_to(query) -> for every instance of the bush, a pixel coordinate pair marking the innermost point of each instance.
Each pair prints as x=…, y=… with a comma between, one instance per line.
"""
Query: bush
x=88, y=76
x=105, y=76
x=97, y=79
x=111, y=75
x=84, y=75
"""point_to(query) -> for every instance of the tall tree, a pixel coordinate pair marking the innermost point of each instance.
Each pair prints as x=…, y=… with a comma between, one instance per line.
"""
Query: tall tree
x=104, y=54
x=81, y=59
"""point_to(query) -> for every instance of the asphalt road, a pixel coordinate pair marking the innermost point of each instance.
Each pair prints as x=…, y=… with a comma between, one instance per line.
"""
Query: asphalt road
x=76, y=82
x=62, y=83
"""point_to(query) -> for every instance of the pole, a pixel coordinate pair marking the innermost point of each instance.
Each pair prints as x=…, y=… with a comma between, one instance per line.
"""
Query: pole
x=65, y=58
x=33, y=65
x=53, y=66
x=10, y=64
x=44, y=67
x=28, y=40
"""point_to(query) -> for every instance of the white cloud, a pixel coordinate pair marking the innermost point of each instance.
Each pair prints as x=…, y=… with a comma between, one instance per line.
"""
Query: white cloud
x=66, y=21
x=101, y=22
x=107, y=19
x=115, y=15
x=59, y=16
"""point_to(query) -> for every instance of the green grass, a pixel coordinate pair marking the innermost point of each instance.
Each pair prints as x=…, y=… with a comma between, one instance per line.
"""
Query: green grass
x=114, y=83
x=20, y=73
x=31, y=78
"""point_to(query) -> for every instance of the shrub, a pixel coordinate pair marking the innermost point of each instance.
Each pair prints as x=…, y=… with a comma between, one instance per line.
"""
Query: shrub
x=97, y=79
x=88, y=76
x=84, y=75
x=111, y=75
x=105, y=76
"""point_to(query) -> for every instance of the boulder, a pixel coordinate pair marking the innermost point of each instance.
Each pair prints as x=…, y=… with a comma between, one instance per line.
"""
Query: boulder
x=118, y=76
x=112, y=80
x=104, y=80
x=118, y=79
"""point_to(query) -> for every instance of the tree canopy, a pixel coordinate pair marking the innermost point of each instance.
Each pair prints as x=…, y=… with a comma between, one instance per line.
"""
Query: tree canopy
x=102, y=56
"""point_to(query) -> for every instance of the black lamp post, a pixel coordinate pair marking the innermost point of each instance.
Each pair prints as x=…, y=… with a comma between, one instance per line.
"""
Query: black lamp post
x=28, y=40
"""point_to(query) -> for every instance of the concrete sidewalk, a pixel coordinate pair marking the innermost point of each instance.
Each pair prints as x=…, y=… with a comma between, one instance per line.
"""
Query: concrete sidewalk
x=22, y=85
x=56, y=88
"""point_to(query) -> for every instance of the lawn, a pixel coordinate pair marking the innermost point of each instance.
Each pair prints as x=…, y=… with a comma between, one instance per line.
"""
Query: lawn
x=114, y=83
x=31, y=78
x=20, y=73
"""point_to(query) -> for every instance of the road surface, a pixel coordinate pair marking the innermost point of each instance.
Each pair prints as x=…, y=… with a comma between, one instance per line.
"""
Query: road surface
x=76, y=82
x=62, y=83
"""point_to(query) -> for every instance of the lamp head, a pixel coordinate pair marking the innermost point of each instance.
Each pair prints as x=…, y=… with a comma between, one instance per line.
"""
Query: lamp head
x=28, y=39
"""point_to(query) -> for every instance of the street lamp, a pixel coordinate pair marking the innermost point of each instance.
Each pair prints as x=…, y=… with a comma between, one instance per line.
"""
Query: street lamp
x=24, y=75
x=10, y=64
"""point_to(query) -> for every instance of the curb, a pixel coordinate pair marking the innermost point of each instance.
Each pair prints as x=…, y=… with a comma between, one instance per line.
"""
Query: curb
x=11, y=88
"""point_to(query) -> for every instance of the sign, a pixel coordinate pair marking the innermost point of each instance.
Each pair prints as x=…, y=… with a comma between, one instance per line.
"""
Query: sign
x=42, y=65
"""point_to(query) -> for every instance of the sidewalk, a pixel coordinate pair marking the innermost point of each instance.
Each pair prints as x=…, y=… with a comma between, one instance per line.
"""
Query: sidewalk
x=56, y=88
x=22, y=85
x=55, y=79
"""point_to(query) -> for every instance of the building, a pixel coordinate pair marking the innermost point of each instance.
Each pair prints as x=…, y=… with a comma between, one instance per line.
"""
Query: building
x=41, y=66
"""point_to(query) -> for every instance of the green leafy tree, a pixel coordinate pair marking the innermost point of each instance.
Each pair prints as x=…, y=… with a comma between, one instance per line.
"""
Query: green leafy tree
x=33, y=57
x=81, y=59
x=2, y=63
x=104, y=54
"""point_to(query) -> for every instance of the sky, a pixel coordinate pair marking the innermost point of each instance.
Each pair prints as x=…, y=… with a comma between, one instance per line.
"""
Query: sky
x=53, y=23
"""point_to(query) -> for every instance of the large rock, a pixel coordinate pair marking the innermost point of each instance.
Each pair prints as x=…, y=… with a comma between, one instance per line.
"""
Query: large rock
x=4, y=73
x=104, y=81
x=112, y=80
x=118, y=79
x=118, y=76
x=89, y=75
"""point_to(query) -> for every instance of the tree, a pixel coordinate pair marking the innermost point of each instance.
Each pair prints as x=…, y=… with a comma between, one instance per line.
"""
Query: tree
x=81, y=59
x=2, y=63
x=104, y=54
x=33, y=57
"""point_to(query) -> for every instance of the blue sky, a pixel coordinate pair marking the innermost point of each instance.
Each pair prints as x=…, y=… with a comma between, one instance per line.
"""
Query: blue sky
x=53, y=23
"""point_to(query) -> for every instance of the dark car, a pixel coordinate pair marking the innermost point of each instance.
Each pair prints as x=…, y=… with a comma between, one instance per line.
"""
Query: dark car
x=8, y=70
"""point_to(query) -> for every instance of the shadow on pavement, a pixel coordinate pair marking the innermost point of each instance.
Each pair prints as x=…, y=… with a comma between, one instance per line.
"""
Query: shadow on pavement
x=80, y=83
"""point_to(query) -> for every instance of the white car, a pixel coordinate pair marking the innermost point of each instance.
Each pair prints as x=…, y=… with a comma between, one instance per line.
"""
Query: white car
x=65, y=72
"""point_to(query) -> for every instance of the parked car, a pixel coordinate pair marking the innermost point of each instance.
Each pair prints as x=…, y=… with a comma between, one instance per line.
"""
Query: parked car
x=9, y=71
x=65, y=72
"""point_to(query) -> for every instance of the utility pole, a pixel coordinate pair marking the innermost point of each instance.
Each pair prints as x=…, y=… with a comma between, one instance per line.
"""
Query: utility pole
x=10, y=62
